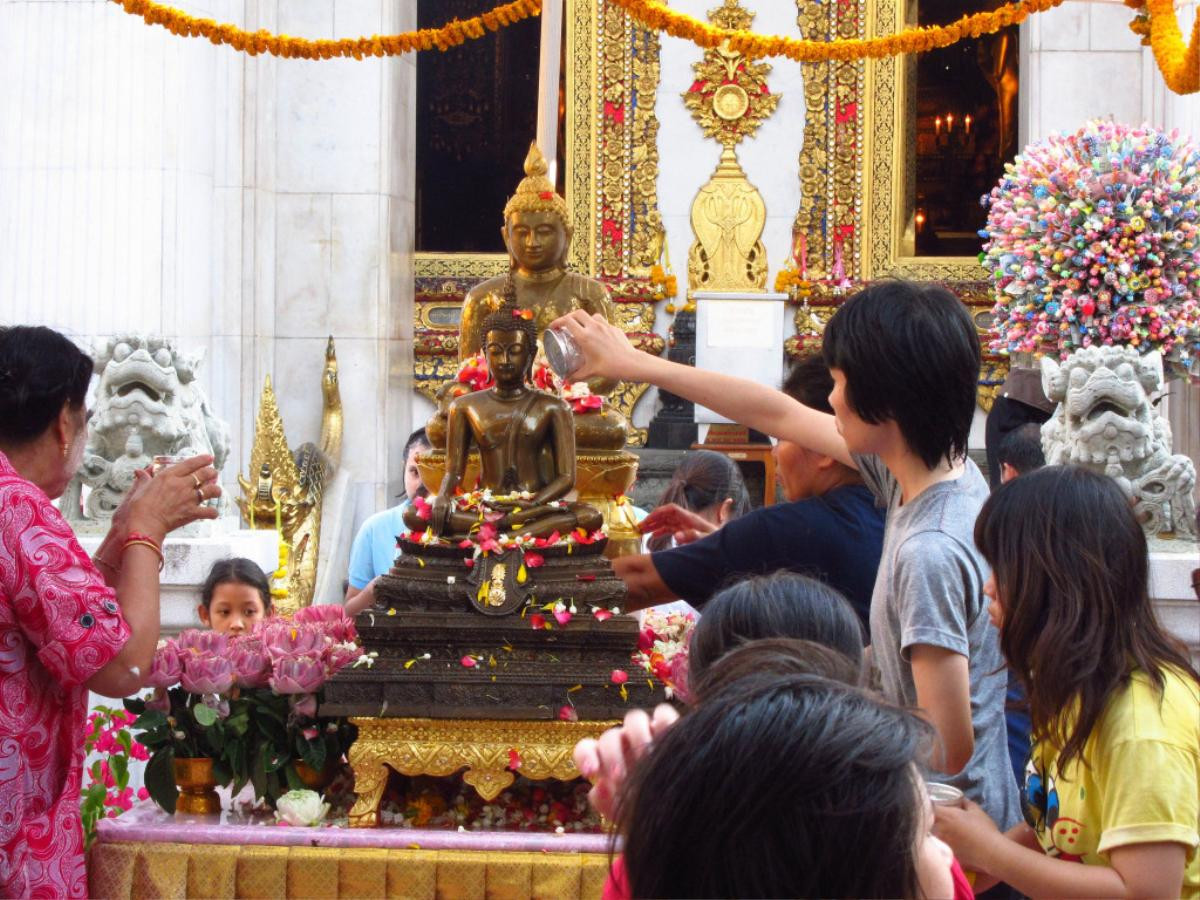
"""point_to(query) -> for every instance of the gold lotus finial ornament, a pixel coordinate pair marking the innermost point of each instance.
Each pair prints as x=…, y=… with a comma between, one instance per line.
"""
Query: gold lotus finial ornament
x=729, y=98
x=536, y=193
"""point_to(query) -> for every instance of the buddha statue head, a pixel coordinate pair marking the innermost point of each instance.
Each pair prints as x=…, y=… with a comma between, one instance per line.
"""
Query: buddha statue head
x=510, y=345
x=536, y=230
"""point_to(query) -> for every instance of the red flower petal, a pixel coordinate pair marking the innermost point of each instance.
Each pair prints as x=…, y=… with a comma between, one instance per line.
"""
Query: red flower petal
x=534, y=560
x=602, y=615
x=568, y=714
x=585, y=577
x=562, y=617
x=538, y=621
x=468, y=662
x=619, y=676
x=514, y=759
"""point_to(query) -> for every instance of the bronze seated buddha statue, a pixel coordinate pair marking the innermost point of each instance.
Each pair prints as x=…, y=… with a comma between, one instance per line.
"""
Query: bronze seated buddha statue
x=526, y=444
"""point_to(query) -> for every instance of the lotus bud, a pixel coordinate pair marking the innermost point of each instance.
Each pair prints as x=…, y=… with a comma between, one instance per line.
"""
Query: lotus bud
x=167, y=666
x=301, y=808
x=298, y=675
x=207, y=675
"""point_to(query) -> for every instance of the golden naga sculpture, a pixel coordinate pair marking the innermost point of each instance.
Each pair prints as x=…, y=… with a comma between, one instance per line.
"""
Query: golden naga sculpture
x=729, y=100
x=287, y=487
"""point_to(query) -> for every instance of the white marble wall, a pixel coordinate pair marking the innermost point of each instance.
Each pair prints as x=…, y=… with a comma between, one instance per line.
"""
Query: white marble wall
x=250, y=205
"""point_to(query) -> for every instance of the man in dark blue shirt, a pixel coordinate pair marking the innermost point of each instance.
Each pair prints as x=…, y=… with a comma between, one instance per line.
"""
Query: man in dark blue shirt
x=829, y=528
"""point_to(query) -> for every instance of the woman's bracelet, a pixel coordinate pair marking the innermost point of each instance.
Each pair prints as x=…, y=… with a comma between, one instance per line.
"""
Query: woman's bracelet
x=101, y=561
x=144, y=540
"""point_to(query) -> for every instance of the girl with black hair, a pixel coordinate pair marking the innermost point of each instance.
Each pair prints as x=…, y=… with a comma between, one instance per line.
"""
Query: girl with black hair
x=708, y=485
x=782, y=605
x=1113, y=780
x=783, y=785
x=68, y=623
x=235, y=597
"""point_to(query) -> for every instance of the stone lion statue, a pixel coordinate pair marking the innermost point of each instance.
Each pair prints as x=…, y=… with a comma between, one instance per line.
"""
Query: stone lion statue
x=1105, y=421
x=147, y=404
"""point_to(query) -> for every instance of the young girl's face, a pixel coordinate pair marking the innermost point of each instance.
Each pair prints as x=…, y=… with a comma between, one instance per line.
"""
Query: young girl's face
x=234, y=608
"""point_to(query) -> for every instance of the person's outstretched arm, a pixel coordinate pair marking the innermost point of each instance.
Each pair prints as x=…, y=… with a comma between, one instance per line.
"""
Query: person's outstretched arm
x=607, y=351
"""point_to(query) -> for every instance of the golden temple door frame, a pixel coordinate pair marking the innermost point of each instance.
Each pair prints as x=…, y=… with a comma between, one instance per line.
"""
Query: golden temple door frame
x=853, y=184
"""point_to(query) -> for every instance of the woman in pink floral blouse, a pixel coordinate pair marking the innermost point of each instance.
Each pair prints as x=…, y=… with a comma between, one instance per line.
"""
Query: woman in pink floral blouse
x=68, y=624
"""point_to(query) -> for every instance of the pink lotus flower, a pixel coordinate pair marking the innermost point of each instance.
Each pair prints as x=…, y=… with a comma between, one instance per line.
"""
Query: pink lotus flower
x=329, y=618
x=286, y=640
x=207, y=675
x=159, y=701
x=167, y=666
x=298, y=675
x=338, y=656
x=203, y=643
x=251, y=665
x=304, y=705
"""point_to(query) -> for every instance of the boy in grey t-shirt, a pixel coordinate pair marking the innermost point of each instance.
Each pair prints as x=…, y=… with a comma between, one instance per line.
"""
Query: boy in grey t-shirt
x=929, y=591
x=905, y=363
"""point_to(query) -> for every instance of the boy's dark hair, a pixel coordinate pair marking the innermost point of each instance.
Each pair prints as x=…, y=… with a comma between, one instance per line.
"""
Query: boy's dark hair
x=40, y=372
x=1071, y=569
x=1021, y=448
x=808, y=381
x=236, y=570
x=910, y=354
x=782, y=605
x=761, y=789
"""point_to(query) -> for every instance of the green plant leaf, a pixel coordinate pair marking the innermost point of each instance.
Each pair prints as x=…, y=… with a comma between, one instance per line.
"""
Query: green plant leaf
x=135, y=705
x=150, y=720
x=293, y=780
x=119, y=766
x=125, y=740
x=160, y=779
x=205, y=715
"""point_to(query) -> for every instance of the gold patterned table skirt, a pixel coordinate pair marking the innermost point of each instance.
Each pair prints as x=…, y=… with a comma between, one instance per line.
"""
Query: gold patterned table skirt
x=139, y=870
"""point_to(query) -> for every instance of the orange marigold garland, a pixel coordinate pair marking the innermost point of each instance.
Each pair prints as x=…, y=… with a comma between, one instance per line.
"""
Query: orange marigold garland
x=1158, y=26
x=452, y=34
x=656, y=15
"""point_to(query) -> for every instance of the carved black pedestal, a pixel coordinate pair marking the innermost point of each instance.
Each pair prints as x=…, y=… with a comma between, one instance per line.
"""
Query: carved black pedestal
x=673, y=426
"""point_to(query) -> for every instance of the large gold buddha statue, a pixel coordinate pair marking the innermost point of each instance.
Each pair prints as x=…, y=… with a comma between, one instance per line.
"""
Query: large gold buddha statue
x=538, y=235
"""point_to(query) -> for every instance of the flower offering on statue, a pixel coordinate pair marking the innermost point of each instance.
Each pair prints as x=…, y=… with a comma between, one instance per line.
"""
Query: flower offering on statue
x=1094, y=239
x=663, y=649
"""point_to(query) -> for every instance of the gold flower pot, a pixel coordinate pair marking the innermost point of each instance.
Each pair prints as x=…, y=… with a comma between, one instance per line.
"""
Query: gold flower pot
x=197, y=787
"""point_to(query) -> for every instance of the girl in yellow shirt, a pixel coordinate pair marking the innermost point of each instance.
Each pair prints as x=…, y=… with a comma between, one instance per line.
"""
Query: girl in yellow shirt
x=1112, y=787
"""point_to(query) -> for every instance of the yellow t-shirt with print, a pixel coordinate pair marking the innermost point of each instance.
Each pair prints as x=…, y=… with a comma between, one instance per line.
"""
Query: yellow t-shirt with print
x=1142, y=785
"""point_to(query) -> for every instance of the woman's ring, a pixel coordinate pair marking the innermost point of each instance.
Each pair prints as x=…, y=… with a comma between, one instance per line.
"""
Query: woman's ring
x=200, y=496
x=196, y=480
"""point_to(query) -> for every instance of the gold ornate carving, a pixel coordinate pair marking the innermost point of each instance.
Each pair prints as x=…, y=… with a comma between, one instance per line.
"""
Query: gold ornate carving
x=729, y=100
x=294, y=484
x=441, y=747
x=468, y=266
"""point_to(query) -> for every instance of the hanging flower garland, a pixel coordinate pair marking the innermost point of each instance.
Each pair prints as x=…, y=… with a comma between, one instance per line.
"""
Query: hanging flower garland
x=1094, y=239
x=1158, y=25
x=255, y=42
x=656, y=15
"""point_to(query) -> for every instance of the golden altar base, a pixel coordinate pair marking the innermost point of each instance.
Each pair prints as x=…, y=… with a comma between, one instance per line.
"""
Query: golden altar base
x=441, y=747
x=138, y=869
